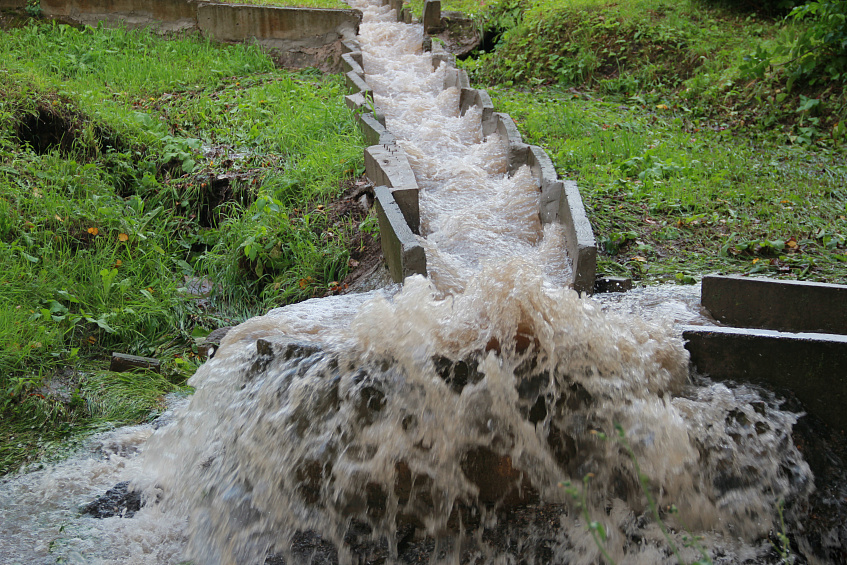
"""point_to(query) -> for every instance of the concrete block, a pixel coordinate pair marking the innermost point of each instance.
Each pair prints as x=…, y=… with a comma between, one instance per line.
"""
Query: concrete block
x=397, y=6
x=408, y=16
x=551, y=187
x=793, y=306
x=350, y=64
x=374, y=132
x=403, y=254
x=470, y=97
x=350, y=45
x=508, y=132
x=356, y=102
x=277, y=27
x=437, y=58
x=582, y=248
x=432, y=16
x=121, y=362
x=811, y=366
x=456, y=78
x=387, y=165
x=356, y=83
x=408, y=199
x=166, y=16
x=612, y=284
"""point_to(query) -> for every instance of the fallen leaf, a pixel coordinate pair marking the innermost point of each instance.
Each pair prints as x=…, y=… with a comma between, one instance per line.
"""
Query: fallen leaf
x=122, y=237
x=662, y=107
x=352, y=263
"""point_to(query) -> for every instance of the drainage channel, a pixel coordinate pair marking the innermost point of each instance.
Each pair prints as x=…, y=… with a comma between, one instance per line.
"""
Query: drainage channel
x=485, y=413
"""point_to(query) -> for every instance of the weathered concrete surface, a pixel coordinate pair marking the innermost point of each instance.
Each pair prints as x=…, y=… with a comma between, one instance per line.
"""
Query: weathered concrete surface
x=352, y=62
x=456, y=78
x=551, y=187
x=432, y=16
x=12, y=4
x=397, y=6
x=350, y=45
x=517, y=149
x=356, y=83
x=812, y=366
x=447, y=58
x=403, y=253
x=470, y=97
x=374, y=131
x=778, y=305
x=277, y=27
x=164, y=15
x=388, y=166
x=582, y=248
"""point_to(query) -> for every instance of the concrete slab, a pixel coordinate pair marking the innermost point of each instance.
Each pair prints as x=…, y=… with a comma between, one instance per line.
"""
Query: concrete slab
x=432, y=16
x=387, y=165
x=356, y=102
x=350, y=45
x=397, y=6
x=812, y=366
x=778, y=305
x=269, y=24
x=12, y=4
x=456, y=78
x=508, y=132
x=447, y=58
x=582, y=247
x=374, y=132
x=356, y=83
x=548, y=181
x=349, y=63
x=403, y=254
x=166, y=16
x=470, y=97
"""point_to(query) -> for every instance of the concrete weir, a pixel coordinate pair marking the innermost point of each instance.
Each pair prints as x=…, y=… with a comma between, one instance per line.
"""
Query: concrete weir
x=397, y=190
x=792, y=337
x=298, y=37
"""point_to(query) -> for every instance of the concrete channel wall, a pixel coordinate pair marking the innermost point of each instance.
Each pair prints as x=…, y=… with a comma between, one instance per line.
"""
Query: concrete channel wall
x=298, y=37
x=397, y=190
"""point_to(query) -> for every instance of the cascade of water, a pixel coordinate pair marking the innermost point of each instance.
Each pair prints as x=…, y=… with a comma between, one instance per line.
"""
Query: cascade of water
x=440, y=406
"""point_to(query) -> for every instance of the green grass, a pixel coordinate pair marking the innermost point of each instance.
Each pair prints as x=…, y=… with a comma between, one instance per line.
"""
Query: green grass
x=112, y=147
x=672, y=197
x=691, y=51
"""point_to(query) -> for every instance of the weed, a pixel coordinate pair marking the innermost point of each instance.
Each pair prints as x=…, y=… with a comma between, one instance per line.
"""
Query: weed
x=129, y=165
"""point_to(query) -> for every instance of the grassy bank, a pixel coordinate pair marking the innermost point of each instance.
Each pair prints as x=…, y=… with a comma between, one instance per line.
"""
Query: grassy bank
x=133, y=172
x=693, y=155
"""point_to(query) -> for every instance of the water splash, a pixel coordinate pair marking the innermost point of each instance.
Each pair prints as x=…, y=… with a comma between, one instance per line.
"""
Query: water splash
x=440, y=408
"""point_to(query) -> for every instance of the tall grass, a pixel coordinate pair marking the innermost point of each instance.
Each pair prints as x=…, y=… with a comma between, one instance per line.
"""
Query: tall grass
x=104, y=176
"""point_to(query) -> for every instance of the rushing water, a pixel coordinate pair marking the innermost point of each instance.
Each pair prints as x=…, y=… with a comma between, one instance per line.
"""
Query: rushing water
x=439, y=408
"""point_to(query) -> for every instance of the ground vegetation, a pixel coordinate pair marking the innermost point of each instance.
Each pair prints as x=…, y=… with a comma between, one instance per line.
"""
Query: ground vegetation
x=152, y=190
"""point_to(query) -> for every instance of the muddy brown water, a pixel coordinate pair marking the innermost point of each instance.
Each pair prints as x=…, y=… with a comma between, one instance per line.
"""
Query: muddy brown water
x=436, y=422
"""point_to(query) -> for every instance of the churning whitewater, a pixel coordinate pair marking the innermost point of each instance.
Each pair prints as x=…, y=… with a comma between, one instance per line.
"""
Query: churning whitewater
x=417, y=419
